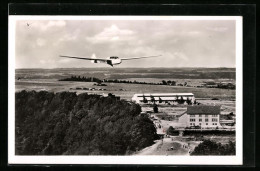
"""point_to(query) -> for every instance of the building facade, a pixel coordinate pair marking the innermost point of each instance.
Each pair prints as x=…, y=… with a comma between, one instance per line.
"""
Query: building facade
x=201, y=116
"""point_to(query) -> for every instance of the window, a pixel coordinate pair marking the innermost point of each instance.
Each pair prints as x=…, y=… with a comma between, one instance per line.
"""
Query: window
x=192, y=116
x=214, y=120
x=206, y=120
x=200, y=116
x=206, y=123
x=190, y=123
x=192, y=120
x=206, y=116
x=214, y=115
x=200, y=120
x=200, y=123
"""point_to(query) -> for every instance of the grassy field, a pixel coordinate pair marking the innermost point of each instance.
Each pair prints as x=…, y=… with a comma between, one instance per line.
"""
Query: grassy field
x=47, y=79
x=42, y=79
x=128, y=89
x=190, y=82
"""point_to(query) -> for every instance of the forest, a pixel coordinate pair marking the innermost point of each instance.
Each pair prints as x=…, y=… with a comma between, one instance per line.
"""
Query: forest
x=69, y=124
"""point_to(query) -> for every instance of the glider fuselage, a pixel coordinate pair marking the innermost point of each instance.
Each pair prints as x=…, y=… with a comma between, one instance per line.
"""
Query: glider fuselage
x=115, y=60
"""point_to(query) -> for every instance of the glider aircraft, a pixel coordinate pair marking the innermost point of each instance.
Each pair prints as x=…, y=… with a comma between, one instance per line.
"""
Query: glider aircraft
x=112, y=60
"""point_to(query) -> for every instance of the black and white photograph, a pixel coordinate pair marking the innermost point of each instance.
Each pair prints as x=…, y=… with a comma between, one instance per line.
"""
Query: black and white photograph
x=125, y=90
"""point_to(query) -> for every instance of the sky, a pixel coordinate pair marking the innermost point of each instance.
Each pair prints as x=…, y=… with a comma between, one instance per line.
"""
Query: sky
x=182, y=43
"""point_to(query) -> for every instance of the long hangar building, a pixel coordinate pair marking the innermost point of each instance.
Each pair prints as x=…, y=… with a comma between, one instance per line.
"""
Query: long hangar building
x=165, y=97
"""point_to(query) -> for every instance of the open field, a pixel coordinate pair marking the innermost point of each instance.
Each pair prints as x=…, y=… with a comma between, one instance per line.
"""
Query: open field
x=129, y=89
x=190, y=82
x=129, y=73
x=47, y=79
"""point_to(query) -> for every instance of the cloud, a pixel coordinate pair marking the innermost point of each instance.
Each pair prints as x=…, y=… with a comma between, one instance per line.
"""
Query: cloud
x=68, y=37
x=42, y=61
x=64, y=60
x=110, y=34
x=43, y=26
x=40, y=42
x=49, y=61
x=181, y=56
x=193, y=33
x=182, y=43
x=54, y=24
x=217, y=29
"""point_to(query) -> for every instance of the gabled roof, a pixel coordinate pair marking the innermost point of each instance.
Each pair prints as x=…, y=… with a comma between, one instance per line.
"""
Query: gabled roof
x=203, y=110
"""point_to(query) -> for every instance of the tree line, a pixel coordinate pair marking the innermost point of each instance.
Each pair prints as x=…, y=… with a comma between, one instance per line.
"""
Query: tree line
x=169, y=82
x=81, y=79
x=93, y=79
x=69, y=124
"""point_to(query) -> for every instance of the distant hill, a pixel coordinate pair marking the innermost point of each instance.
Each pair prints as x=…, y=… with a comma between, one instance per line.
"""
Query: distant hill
x=69, y=124
x=125, y=73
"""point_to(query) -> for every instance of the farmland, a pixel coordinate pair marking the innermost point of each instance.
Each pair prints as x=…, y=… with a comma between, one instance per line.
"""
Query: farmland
x=130, y=89
x=48, y=80
x=126, y=73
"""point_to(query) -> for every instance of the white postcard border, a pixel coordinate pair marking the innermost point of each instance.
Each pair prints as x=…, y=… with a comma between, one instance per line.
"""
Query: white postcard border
x=150, y=160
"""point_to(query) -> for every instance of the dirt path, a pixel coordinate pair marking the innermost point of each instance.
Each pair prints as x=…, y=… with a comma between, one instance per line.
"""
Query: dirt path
x=167, y=146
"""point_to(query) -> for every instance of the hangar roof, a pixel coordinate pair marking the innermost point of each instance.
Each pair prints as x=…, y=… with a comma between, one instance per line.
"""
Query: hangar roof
x=164, y=94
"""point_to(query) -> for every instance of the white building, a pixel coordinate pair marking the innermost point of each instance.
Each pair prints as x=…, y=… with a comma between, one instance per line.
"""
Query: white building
x=203, y=116
x=165, y=97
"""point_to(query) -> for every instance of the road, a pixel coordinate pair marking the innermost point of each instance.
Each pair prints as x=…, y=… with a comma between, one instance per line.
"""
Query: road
x=166, y=146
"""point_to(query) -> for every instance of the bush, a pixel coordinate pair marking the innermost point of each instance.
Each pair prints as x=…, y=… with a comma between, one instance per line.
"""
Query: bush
x=208, y=147
x=171, y=131
x=155, y=109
